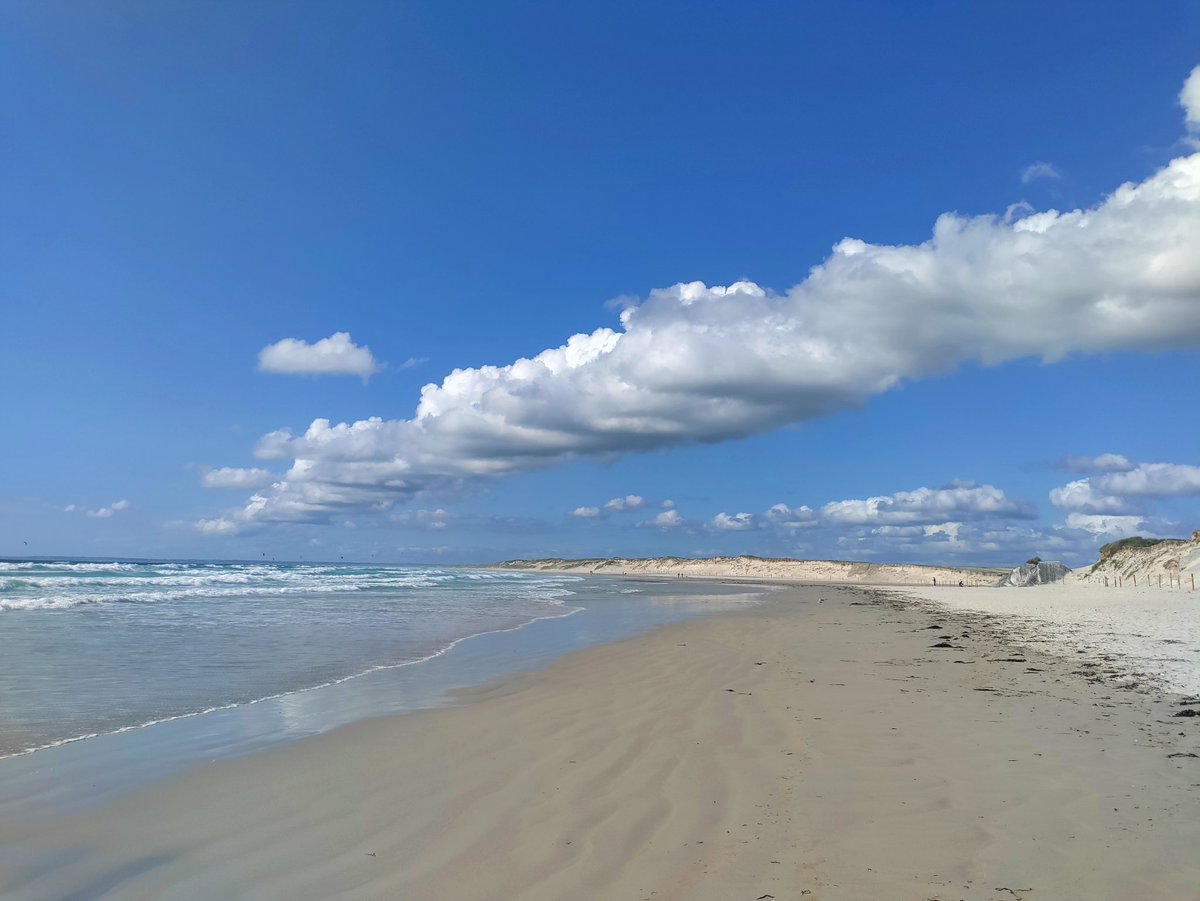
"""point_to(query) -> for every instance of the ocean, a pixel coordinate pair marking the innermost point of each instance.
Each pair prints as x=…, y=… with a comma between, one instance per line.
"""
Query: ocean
x=163, y=663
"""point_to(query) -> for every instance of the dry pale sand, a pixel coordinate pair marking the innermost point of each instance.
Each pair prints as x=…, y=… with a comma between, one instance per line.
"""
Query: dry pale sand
x=1142, y=635
x=851, y=748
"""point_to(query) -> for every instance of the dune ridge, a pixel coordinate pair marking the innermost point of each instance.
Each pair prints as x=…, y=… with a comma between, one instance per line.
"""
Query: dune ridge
x=1148, y=559
x=770, y=568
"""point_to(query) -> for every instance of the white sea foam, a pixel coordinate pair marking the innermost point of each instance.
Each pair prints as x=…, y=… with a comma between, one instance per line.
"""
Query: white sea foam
x=61, y=586
x=44, y=566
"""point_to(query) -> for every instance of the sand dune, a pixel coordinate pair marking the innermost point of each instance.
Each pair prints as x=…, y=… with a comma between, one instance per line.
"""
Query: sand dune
x=1168, y=561
x=1173, y=559
x=776, y=569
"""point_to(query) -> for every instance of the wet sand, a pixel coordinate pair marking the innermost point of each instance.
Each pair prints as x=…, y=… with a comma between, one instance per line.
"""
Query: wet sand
x=834, y=742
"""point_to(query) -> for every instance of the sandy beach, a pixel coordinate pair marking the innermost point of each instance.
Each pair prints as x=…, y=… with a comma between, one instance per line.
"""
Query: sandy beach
x=833, y=742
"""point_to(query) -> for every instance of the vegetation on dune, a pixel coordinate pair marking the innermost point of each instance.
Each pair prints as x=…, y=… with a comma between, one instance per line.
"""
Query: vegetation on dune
x=1133, y=543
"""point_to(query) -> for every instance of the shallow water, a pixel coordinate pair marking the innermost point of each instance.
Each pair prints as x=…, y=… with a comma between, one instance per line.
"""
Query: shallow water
x=91, y=648
x=124, y=673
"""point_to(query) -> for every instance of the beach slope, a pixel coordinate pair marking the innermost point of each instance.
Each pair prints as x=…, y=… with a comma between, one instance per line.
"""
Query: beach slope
x=832, y=743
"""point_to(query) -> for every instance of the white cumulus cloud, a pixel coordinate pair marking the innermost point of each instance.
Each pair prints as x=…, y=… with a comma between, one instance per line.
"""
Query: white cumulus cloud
x=668, y=519
x=1081, y=495
x=335, y=355
x=586, y=512
x=786, y=517
x=1152, y=480
x=1117, y=499
x=739, y=522
x=697, y=363
x=1119, y=489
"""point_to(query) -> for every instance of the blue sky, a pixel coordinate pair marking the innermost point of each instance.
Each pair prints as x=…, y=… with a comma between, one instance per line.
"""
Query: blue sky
x=458, y=186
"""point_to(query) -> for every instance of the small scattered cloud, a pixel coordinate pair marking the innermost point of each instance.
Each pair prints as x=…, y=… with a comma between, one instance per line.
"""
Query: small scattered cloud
x=433, y=520
x=961, y=500
x=216, y=526
x=626, y=504
x=414, y=362
x=739, y=522
x=441, y=520
x=1101, y=524
x=1099, y=463
x=234, y=477
x=622, y=504
x=1034, y=171
x=786, y=517
x=100, y=512
x=335, y=355
x=668, y=519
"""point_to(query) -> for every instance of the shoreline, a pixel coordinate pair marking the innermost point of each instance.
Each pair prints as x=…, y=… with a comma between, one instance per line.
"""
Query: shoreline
x=290, y=693
x=80, y=772
x=820, y=741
